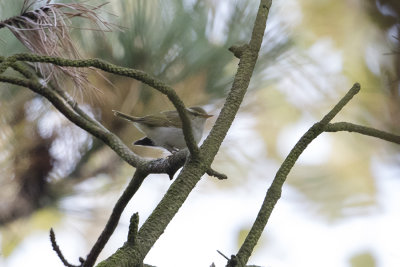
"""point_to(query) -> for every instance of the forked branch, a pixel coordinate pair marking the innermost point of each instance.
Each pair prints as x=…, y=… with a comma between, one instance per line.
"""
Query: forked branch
x=274, y=191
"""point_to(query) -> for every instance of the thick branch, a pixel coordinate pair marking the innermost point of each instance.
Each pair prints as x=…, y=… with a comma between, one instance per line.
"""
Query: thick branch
x=274, y=192
x=248, y=59
x=351, y=127
x=178, y=192
x=155, y=225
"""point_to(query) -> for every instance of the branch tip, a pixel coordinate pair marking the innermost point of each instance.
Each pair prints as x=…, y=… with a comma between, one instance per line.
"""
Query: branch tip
x=113, y=220
x=368, y=131
x=274, y=191
x=338, y=107
x=57, y=249
x=238, y=50
x=218, y=175
x=133, y=228
x=222, y=254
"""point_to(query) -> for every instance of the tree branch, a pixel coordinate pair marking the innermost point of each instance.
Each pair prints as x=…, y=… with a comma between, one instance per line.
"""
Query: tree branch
x=216, y=174
x=112, y=223
x=127, y=72
x=275, y=190
x=100, y=132
x=71, y=110
x=351, y=127
x=194, y=168
x=133, y=229
x=24, y=71
x=248, y=59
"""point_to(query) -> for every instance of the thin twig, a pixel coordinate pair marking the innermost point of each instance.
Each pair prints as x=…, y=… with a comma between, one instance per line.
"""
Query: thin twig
x=57, y=249
x=351, y=127
x=112, y=223
x=222, y=254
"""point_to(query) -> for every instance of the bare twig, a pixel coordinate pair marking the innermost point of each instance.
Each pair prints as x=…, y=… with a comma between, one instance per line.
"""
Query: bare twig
x=222, y=254
x=57, y=249
x=275, y=190
x=351, y=127
x=112, y=223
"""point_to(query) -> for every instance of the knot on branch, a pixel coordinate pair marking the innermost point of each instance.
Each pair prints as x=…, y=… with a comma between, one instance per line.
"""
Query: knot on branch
x=218, y=175
x=233, y=261
x=238, y=50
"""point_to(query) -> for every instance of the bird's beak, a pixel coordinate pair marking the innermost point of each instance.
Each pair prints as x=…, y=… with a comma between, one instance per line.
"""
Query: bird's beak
x=206, y=115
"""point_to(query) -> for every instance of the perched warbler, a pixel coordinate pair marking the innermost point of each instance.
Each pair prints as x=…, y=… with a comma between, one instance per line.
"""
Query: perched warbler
x=165, y=129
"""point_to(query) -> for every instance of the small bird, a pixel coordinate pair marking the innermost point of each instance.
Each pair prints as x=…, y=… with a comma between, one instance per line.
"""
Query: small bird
x=165, y=129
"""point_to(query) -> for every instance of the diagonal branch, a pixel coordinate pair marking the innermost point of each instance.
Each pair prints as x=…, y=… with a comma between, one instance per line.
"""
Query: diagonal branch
x=57, y=249
x=112, y=223
x=275, y=190
x=100, y=132
x=194, y=168
x=248, y=58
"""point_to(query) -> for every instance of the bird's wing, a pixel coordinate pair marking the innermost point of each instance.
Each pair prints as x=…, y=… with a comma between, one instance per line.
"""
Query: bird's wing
x=144, y=142
x=173, y=118
x=164, y=119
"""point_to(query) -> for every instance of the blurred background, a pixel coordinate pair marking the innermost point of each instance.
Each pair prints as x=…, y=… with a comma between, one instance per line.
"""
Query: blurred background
x=340, y=205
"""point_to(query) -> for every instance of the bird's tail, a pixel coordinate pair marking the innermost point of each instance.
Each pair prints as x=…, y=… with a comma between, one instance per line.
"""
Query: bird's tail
x=125, y=116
